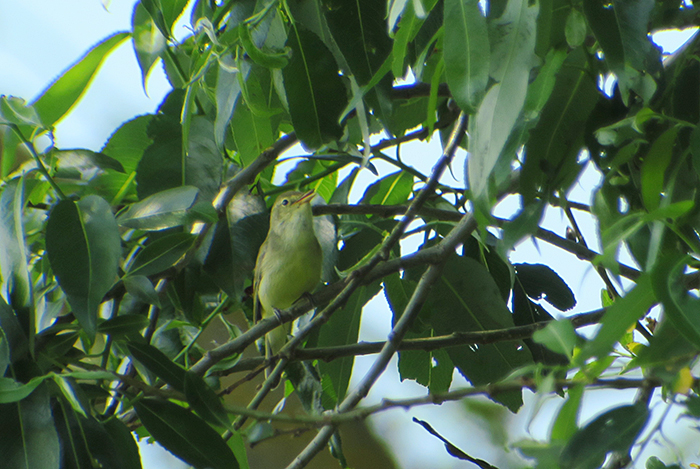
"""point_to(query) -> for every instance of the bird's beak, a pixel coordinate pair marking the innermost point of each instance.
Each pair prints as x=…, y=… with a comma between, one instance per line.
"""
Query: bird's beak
x=306, y=198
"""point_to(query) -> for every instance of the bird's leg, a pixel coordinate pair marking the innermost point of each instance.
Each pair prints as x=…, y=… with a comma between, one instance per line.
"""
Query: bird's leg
x=309, y=297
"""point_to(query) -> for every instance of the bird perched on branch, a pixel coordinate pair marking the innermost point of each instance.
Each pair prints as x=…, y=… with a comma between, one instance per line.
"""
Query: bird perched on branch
x=289, y=263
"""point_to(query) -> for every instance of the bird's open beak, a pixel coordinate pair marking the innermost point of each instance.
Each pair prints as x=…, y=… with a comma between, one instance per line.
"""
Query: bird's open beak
x=306, y=197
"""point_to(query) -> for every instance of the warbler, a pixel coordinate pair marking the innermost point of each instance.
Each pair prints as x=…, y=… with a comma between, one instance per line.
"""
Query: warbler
x=289, y=262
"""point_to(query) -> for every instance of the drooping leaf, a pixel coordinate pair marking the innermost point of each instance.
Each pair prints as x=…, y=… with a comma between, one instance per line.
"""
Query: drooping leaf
x=84, y=248
x=16, y=283
x=619, y=317
x=315, y=93
x=614, y=430
x=185, y=435
x=148, y=41
x=654, y=168
x=344, y=328
x=161, y=254
x=159, y=211
x=466, y=52
x=123, y=325
x=204, y=401
x=158, y=363
x=541, y=282
x=58, y=99
x=28, y=436
x=512, y=57
x=466, y=298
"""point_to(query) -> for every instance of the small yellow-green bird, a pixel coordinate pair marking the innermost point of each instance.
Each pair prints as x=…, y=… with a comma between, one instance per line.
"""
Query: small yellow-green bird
x=289, y=262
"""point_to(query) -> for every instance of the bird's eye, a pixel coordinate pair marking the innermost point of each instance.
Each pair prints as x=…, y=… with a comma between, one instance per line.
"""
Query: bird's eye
x=285, y=201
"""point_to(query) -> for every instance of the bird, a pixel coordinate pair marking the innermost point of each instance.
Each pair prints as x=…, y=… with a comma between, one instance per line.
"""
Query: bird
x=289, y=263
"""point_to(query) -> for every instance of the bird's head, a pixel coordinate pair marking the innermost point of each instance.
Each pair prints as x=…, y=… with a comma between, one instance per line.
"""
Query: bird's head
x=291, y=208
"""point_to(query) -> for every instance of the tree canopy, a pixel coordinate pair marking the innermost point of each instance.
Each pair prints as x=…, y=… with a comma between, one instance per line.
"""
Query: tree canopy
x=118, y=266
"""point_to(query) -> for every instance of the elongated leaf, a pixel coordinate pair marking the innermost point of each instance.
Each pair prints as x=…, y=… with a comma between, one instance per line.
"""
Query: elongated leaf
x=565, y=425
x=141, y=288
x=204, y=401
x=315, y=93
x=160, y=211
x=64, y=93
x=557, y=336
x=123, y=439
x=550, y=153
x=161, y=254
x=84, y=248
x=466, y=298
x=614, y=430
x=343, y=329
x=4, y=352
x=123, y=325
x=185, y=435
x=16, y=284
x=13, y=391
x=392, y=189
x=654, y=168
x=619, y=317
x=466, y=52
x=228, y=89
x=148, y=41
x=159, y=364
x=28, y=436
x=512, y=57
x=541, y=282
x=680, y=307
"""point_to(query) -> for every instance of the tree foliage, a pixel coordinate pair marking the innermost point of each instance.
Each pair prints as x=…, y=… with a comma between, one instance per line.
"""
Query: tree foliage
x=114, y=263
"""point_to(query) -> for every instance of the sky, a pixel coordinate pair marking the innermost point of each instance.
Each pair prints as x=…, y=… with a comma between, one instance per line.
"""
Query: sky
x=41, y=38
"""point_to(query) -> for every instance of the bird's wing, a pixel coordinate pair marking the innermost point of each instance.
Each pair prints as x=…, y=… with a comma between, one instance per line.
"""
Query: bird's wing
x=257, y=277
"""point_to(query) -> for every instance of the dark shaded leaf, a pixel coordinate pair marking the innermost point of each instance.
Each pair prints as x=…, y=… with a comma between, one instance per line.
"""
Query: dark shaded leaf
x=161, y=254
x=28, y=437
x=466, y=298
x=343, y=328
x=84, y=248
x=204, y=401
x=315, y=93
x=615, y=430
x=540, y=281
x=123, y=325
x=159, y=364
x=185, y=435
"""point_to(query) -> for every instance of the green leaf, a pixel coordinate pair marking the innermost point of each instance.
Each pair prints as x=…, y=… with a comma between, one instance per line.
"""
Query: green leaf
x=252, y=134
x=28, y=437
x=123, y=439
x=185, y=435
x=141, y=288
x=576, y=28
x=619, y=318
x=16, y=283
x=159, y=211
x=679, y=306
x=204, y=401
x=58, y=99
x=228, y=89
x=13, y=391
x=564, y=426
x=123, y=325
x=466, y=52
x=392, y=189
x=343, y=328
x=654, y=168
x=69, y=394
x=512, y=56
x=359, y=30
x=84, y=248
x=541, y=282
x=4, y=352
x=615, y=430
x=148, y=41
x=557, y=138
x=315, y=92
x=164, y=13
x=161, y=254
x=466, y=298
x=557, y=336
x=159, y=364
